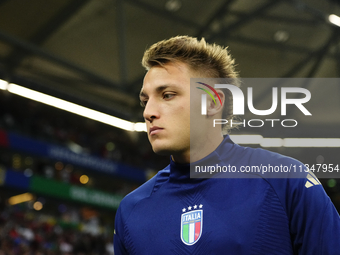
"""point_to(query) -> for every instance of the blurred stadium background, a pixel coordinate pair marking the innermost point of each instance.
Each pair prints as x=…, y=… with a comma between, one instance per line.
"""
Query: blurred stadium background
x=62, y=175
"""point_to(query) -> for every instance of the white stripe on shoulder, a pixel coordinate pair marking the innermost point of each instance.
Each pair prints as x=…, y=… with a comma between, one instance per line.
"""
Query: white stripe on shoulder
x=312, y=180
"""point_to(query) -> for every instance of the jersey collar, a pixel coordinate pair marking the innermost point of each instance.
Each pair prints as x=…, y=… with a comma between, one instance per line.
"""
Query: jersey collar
x=181, y=172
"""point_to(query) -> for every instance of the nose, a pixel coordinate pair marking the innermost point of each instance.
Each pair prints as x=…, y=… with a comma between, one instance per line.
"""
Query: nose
x=151, y=111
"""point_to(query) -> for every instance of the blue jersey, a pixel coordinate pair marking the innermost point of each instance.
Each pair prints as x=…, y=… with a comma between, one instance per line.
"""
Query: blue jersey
x=175, y=214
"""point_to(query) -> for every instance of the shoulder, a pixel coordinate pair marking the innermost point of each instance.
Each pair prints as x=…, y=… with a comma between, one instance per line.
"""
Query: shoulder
x=270, y=164
x=290, y=180
x=259, y=154
x=313, y=220
x=144, y=191
x=288, y=177
x=121, y=237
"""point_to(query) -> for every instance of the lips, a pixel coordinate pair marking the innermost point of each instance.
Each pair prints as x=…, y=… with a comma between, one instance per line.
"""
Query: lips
x=154, y=130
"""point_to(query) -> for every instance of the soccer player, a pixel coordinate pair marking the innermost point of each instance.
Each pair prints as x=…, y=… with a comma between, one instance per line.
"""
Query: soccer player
x=175, y=214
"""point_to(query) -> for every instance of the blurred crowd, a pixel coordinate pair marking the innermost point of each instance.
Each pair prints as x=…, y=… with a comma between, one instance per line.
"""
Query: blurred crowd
x=27, y=233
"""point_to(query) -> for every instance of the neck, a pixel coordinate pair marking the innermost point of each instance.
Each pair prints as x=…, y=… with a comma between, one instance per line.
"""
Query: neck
x=199, y=149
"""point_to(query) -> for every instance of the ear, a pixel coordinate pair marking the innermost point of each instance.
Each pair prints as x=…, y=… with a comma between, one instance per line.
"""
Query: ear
x=216, y=108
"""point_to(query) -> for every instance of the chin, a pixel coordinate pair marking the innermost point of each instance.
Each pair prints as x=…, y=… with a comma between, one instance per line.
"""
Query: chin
x=161, y=148
x=162, y=151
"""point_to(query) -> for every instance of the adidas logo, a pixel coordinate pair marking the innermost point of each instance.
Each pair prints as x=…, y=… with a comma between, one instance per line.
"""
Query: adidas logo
x=311, y=180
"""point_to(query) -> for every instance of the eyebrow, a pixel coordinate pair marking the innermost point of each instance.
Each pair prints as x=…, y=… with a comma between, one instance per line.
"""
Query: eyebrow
x=158, y=90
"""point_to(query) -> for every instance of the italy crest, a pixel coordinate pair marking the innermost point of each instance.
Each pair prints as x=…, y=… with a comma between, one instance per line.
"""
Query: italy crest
x=191, y=224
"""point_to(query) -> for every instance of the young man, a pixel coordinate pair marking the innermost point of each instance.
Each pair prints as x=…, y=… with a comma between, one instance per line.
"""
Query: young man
x=175, y=214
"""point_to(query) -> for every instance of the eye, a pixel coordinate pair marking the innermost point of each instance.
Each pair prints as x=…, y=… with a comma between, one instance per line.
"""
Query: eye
x=143, y=103
x=168, y=96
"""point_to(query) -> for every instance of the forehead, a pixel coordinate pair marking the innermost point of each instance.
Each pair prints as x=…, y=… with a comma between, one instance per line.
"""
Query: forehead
x=175, y=75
